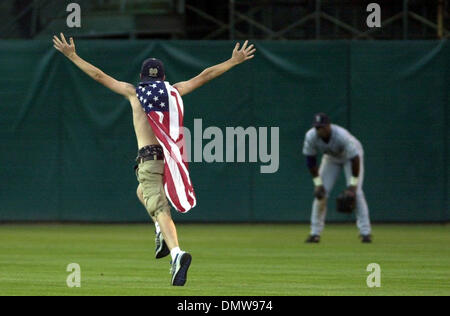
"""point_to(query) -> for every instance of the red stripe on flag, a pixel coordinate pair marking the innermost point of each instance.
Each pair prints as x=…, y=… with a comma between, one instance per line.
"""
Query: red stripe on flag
x=162, y=133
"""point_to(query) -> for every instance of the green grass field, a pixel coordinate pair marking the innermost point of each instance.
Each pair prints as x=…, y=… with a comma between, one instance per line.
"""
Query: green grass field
x=233, y=260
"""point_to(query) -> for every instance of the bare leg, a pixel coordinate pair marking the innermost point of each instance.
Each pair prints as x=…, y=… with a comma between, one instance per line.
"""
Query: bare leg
x=168, y=229
x=165, y=222
x=159, y=210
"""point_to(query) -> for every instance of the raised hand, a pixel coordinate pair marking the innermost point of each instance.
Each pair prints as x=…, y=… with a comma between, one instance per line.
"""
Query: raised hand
x=61, y=45
x=243, y=54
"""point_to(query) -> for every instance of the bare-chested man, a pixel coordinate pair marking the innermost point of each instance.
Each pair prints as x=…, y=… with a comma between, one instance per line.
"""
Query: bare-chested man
x=150, y=157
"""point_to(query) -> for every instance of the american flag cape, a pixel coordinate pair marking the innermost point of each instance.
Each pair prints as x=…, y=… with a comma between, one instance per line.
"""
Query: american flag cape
x=164, y=108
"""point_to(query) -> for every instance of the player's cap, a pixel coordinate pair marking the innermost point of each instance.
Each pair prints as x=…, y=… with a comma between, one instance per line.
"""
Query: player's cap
x=152, y=69
x=321, y=119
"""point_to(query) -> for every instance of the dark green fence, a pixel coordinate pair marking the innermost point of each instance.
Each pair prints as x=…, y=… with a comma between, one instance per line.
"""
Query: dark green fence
x=67, y=143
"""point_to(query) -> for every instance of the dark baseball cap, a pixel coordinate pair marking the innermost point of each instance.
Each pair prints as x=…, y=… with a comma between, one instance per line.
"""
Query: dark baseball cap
x=321, y=119
x=152, y=69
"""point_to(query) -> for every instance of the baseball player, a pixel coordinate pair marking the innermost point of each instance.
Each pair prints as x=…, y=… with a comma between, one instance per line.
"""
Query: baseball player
x=150, y=156
x=341, y=151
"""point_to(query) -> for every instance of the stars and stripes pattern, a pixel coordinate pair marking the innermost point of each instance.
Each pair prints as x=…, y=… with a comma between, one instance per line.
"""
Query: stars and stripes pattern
x=164, y=108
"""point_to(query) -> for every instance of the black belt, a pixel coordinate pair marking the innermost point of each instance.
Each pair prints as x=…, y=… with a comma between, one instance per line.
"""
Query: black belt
x=140, y=160
x=151, y=152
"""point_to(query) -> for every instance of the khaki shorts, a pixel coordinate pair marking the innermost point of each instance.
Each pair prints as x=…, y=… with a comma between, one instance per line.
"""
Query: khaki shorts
x=150, y=176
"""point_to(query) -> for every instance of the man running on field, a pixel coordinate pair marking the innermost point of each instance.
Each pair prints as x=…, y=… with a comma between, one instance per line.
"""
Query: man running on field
x=149, y=103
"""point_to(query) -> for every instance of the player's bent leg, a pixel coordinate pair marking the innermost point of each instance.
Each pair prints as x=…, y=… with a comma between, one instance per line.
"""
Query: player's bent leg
x=319, y=211
x=329, y=172
x=362, y=210
x=362, y=217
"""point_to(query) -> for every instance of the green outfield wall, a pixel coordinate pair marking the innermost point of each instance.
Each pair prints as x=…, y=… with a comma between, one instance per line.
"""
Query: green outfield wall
x=68, y=146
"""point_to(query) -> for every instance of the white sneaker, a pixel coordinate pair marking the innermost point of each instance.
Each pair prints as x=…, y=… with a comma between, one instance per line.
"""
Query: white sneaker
x=161, y=249
x=180, y=268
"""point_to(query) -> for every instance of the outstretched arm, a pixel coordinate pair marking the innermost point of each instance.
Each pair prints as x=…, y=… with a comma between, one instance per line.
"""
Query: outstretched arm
x=239, y=56
x=69, y=51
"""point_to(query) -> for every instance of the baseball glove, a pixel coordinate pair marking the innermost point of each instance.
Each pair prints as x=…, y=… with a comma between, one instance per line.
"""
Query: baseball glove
x=346, y=202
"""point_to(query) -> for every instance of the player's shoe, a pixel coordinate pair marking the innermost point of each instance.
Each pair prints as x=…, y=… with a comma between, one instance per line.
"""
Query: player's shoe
x=366, y=239
x=161, y=249
x=180, y=268
x=313, y=239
